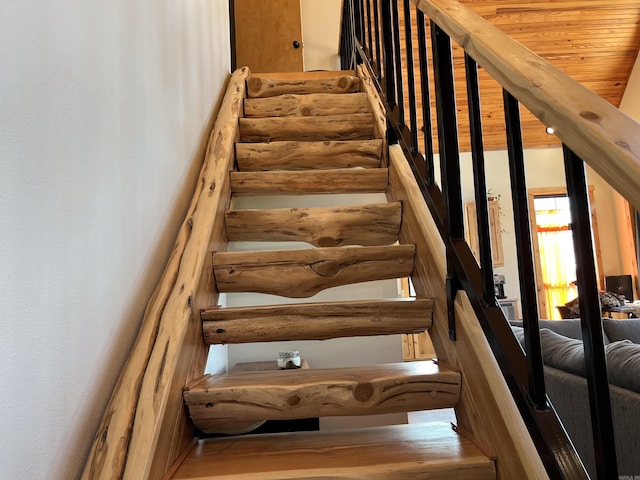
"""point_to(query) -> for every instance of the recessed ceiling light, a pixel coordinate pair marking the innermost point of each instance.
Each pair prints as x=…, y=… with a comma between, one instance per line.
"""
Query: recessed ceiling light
x=550, y=130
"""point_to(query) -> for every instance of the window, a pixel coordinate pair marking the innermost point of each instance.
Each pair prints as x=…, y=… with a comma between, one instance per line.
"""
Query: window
x=557, y=258
x=554, y=255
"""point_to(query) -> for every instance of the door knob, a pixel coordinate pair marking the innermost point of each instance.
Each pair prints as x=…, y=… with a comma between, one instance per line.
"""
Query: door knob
x=296, y=44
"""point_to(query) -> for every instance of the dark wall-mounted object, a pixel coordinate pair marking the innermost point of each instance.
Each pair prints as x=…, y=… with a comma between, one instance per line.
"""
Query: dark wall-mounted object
x=620, y=284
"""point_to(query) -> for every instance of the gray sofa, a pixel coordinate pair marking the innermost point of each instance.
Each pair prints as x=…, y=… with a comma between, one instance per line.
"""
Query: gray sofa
x=567, y=386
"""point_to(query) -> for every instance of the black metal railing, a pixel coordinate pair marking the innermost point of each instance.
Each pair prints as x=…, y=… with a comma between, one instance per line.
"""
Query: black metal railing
x=376, y=36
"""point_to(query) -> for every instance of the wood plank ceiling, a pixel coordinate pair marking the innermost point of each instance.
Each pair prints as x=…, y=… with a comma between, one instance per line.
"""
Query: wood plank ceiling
x=593, y=41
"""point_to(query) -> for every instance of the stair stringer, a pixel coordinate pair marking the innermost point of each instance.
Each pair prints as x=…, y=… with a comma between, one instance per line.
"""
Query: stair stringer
x=145, y=427
x=486, y=410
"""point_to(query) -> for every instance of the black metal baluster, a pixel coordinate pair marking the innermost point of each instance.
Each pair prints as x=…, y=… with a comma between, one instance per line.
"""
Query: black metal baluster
x=591, y=317
x=528, y=290
x=346, y=36
x=449, y=155
x=479, y=178
x=369, y=47
x=411, y=81
x=378, y=56
x=427, y=128
x=358, y=15
x=232, y=34
x=397, y=50
x=389, y=67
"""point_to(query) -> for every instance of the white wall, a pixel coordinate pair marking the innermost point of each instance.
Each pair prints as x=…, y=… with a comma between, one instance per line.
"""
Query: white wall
x=104, y=108
x=321, y=20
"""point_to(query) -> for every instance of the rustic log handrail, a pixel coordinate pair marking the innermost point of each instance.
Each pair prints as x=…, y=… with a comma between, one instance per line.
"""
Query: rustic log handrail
x=144, y=428
x=600, y=134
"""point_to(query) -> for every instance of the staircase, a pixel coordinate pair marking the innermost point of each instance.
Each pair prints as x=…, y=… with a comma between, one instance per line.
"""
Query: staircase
x=320, y=133
x=325, y=134
x=304, y=136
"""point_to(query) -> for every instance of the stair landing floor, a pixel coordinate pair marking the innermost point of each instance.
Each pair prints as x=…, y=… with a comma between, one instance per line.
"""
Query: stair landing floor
x=419, y=451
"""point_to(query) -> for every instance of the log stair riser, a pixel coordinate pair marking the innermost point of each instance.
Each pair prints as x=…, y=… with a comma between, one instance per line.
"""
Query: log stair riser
x=320, y=155
x=304, y=273
x=375, y=224
x=374, y=180
x=316, y=321
x=260, y=87
x=303, y=393
x=308, y=129
x=311, y=105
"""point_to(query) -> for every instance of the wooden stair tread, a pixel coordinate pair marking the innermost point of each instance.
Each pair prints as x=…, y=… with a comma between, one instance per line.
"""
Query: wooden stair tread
x=306, y=182
x=303, y=273
x=425, y=451
x=316, y=321
x=304, y=393
x=269, y=87
x=358, y=126
x=320, y=155
x=306, y=105
x=372, y=224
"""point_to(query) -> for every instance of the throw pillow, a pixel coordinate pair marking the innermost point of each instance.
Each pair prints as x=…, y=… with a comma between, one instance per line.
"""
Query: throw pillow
x=562, y=352
x=623, y=364
x=569, y=328
x=622, y=329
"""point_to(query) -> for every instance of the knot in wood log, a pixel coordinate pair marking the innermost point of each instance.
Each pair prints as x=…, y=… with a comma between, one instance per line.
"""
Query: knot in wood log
x=326, y=268
x=363, y=392
x=328, y=242
x=343, y=82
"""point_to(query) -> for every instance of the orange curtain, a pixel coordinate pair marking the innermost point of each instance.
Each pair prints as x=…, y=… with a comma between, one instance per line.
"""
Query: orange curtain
x=557, y=259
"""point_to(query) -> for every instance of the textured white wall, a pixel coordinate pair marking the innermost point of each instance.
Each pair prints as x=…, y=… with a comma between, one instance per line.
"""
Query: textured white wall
x=104, y=108
x=321, y=20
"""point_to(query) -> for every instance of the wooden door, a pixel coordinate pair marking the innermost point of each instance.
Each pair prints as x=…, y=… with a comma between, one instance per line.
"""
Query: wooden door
x=268, y=35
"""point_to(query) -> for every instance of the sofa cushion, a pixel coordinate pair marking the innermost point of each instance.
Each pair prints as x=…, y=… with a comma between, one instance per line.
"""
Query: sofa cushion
x=562, y=352
x=569, y=328
x=558, y=351
x=567, y=354
x=622, y=329
x=623, y=364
